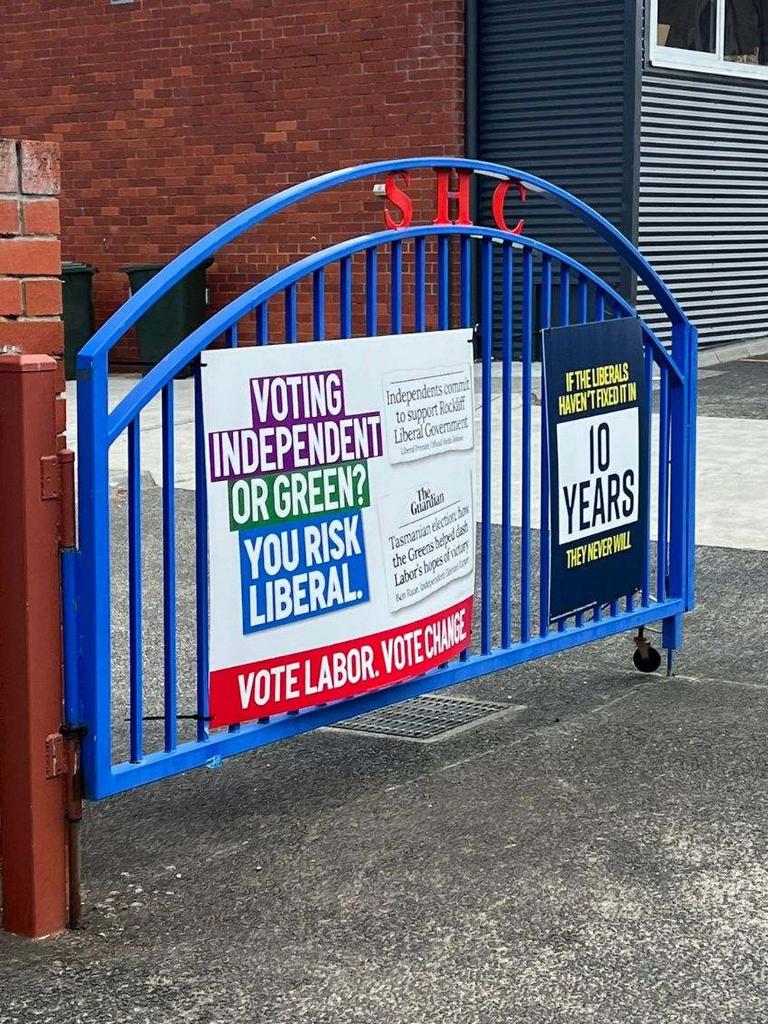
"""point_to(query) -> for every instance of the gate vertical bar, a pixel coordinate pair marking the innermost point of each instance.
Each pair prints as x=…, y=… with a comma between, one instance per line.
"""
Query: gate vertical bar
x=291, y=327
x=601, y=314
x=262, y=324
x=544, y=568
x=371, y=292
x=396, y=286
x=134, y=589
x=486, y=299
x=318, y=304
x=565, y=319
x=465, y=312
x=565, y=294
x=201, y=561
x=465, y=281
x=691, y=364
x=663, y=488
x=443, y=282
x=345, y=297
x=680, y=540
x=582, y=310
x=93, y=571
x=420, y=285
x=527, y=397
x=169, y=568
x=582, y=296
x=507, y=312
x=646, y=582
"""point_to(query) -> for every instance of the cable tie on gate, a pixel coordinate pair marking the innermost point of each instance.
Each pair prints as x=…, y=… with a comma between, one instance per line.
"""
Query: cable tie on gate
x=162, y=718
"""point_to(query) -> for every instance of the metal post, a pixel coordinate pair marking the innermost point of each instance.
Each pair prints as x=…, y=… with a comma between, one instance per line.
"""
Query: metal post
x=33, y=787
x=680, y=483
x=692, y=341
x=71, y=730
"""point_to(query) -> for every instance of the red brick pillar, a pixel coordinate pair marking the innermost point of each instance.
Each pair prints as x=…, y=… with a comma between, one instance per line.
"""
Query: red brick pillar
x=30, y=255
x=33, y=784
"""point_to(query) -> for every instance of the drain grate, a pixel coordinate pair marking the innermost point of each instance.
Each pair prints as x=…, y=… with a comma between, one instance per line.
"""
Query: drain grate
x=427, y=718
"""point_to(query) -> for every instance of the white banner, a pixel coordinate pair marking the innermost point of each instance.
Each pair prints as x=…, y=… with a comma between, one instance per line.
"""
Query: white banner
x=340, y=517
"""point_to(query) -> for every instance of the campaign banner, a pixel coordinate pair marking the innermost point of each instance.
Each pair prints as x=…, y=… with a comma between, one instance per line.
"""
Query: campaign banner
x=340, y=517
x=596, y=409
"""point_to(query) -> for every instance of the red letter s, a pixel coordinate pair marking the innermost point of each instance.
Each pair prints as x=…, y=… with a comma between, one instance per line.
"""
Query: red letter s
x=400, y=199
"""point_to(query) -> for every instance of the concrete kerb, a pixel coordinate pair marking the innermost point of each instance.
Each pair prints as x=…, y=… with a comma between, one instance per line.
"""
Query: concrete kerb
x=731, y=352
x=712, y=355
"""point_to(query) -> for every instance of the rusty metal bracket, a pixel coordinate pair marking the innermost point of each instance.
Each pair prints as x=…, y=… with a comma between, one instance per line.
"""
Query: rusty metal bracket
x=62, y=758
x=66, y=470
x=62, y=752
x=57, y=760
x=72, y=736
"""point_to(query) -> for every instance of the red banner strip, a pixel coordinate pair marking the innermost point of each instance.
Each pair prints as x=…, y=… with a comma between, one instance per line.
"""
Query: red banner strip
x=264, y=688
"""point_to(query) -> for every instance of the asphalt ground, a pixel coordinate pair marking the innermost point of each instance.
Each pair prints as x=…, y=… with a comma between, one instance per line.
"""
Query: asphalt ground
x=598, y=854
x=738, y=389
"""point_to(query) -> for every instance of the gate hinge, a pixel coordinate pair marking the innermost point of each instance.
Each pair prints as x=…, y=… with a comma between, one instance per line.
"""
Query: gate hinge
x=62, y=753
x=56, y=759
x=50, y=477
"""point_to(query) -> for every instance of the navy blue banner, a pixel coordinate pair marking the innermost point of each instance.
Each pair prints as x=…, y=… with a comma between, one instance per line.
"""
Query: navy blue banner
x=596, y=409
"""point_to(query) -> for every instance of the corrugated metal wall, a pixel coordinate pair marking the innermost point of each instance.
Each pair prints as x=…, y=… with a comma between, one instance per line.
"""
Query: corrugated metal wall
x=704, y=198
x=552, y=99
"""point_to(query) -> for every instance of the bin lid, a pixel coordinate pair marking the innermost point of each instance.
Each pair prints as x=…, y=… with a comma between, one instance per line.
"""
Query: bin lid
x=75, y=267
x=140, y=266
x=133, y=267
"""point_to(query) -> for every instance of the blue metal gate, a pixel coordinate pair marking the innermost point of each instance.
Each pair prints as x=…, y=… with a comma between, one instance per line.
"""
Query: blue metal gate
x=408, y=278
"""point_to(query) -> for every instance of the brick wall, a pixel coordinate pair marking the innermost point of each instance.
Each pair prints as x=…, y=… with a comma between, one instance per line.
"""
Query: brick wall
x=172, y=115
x=30, y=250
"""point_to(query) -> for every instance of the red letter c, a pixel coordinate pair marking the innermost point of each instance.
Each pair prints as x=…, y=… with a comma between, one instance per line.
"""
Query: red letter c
x=497, y=205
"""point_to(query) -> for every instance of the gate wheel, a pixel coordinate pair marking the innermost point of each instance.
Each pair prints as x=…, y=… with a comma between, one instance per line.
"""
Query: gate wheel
x=646, y=658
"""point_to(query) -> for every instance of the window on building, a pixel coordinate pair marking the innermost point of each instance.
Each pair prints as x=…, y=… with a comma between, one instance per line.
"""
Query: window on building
x=746, y=32
x=721, y=36
x=687, y=25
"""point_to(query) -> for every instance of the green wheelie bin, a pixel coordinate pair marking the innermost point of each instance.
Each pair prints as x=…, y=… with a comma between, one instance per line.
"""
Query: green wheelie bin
x=77, y=299
x=172, y=317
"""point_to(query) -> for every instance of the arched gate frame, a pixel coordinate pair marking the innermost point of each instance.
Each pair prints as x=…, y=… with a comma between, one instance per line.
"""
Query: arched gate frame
x=513, y=624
